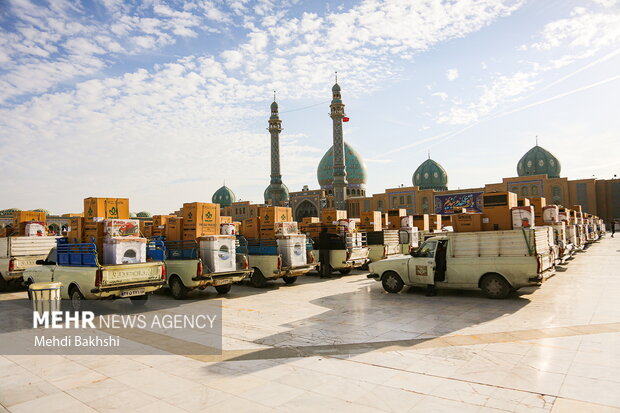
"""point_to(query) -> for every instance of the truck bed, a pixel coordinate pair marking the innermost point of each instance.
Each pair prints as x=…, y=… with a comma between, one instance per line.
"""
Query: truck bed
x=25, y=246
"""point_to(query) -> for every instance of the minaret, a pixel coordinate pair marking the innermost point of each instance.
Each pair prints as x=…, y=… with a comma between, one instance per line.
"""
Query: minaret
x=277, y=191
x=340, y=173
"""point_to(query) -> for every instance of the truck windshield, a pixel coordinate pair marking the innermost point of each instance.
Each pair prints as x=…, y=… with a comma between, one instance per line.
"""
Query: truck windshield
x=427, y=249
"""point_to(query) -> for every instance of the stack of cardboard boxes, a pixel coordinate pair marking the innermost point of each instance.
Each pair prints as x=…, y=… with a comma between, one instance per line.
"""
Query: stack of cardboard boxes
x=422, y=222
x=467, y=222
x=159, y=225
x=496, y=209
x=539, y=204
x=23, y=218
x=435, y=222
x=311, y=226
x=174, y=229
x=271, y=215
x=394, y=216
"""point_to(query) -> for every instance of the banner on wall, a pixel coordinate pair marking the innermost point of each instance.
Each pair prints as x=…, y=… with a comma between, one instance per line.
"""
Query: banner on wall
x=445, y=204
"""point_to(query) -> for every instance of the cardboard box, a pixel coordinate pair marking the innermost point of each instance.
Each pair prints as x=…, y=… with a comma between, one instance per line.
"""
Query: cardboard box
x=226, y=220
x=311, y=220
x=122, y=228
x=148, y=232
x=93, y=229
x=434, y=222
x=174, y=229
x=422, y=222
x=27, y=216
x=270, y=215
x=159, y=231
x=251, y=227
x=253, y=211
x=371, y=221
x=199, y=219
x=497, y=219
x=467, y=222
x=522, y=201
x=523, y=217
x=498, y=200
x=159, y=220
x=75, y=232
x=538, y=204
x=446, y=221
x=330, y=215
x=108, y=208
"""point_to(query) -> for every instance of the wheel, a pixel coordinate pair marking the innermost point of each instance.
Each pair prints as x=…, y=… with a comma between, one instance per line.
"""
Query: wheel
x=76, y=298
x=4, y=286
x=139, y=300
x=289, y=280
x=27, y=285
x=257, y=279
x=392, y=283
x=345, y=271
x=495, y=286
x=223, y=289
x=177, y=288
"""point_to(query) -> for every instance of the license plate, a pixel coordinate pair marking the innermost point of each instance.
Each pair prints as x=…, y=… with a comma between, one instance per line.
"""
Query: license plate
x=133, y=293
x=220, y=282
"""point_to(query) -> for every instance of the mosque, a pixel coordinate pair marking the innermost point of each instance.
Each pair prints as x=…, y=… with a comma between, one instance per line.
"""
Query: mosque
x=341, y=175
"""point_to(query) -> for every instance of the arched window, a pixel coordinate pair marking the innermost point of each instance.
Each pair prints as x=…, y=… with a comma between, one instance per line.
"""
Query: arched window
x=556, y=193
x=534, y=189
x=524, y=191
x=305, y=209
x=425, y=205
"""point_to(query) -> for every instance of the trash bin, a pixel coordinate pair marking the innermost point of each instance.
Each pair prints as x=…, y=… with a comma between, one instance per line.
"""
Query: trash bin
x=45, y=296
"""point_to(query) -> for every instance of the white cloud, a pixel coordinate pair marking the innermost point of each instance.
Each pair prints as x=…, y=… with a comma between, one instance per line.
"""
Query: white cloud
x=441, y=95
x=452, y=74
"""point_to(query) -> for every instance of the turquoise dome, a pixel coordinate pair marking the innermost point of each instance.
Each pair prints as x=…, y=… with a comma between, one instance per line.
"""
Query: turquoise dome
x=270, y=197
x=430, y=175
x=47, y=213
x=356, y=170
x=144, y=214
x=539, y=161
x=132, y=215
x=223, y=196
x=10, y=211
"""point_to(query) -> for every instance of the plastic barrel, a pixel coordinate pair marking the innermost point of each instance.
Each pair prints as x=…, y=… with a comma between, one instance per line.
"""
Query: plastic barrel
x=45, y=296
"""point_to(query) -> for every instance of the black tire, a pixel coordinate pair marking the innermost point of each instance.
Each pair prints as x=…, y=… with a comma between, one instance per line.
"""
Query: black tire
x=257, y=279
x=495, y=286
x=140, y=300
x=289, y=280
x=76, y=298
x=392, y=283
x=4, y=286
x=345, y=271
x=223, y=289
x=177, y=288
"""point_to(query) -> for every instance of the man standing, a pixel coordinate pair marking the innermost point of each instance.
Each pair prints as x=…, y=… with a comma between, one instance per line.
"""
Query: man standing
x=324, y=241
x=613, y=228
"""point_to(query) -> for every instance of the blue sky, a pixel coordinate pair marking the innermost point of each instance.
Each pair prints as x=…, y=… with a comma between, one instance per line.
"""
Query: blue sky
x=163, y=101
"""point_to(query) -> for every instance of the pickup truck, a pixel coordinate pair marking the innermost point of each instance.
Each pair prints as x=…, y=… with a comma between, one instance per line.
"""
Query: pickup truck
x=77, y=267
x=346, y=252
x=18, y=253
x=409, y=239
x=563, y=248
x=497, y=262
x=286, y=257
x=186, y=271
x=382, y=244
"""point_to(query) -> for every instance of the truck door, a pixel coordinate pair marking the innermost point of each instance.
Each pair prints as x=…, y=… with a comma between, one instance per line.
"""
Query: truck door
x=422, y=264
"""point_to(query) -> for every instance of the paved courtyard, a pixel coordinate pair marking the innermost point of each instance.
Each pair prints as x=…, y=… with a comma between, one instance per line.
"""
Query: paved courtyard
x=345, y=345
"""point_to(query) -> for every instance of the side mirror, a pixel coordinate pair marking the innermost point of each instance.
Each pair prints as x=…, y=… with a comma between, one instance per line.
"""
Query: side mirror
x=40, y=262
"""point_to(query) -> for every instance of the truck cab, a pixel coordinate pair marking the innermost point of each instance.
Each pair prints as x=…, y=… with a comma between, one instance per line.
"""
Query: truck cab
x=77, y=267
x=186, y=270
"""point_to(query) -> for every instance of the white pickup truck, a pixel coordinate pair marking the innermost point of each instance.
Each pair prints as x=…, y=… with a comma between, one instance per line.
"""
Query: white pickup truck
x=497, y=262
x=346, y=252
x=17, y=254
x=186, y=271
x=91, y=281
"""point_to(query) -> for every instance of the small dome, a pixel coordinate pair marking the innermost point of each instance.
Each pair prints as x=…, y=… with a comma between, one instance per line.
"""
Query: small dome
x=132, y=215
x=336, y=88
x=274, y=106
x=223, y=196
x=47, y=213
x=430, y=175
x=282, y=197
x=144, y=214
x=356, y=170
x=539, y=161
